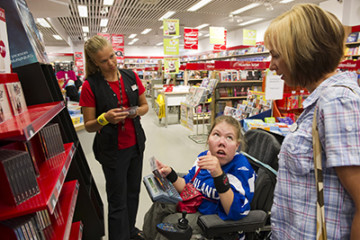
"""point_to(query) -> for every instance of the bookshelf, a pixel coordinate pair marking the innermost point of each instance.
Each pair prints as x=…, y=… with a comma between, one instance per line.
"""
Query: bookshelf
x=230, y=92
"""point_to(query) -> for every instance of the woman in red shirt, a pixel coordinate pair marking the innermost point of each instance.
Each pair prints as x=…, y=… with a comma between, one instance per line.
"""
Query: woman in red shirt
x=112, y=102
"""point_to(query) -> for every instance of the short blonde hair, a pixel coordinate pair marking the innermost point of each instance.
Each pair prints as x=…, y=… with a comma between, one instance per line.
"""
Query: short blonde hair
x=310, y=41
x=91, y=47
x=233, y=122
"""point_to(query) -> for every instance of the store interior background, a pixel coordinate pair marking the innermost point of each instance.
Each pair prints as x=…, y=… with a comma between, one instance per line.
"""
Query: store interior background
x=170, y=144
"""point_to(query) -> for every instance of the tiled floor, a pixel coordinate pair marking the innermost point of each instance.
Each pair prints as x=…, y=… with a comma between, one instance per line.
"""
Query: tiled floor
x=171, y=145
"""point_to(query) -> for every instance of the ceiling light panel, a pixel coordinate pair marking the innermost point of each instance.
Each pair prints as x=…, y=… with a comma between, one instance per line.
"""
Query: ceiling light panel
x=251, y=21
x=167, y=15
x=286, y=1
x=246, y=8
x=108, y=2
x=104, y=22
x=85, y=29
x=146, y=31
x=132, y=35
x=199, y=5
x=57, y=37
x=43, y=22
x=83, y=11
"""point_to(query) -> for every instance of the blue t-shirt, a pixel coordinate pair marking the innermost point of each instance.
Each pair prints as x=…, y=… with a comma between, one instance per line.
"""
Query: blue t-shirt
x=242, y=180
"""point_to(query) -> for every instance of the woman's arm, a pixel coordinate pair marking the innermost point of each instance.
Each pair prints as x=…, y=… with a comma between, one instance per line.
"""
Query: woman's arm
x=143, y=107
x=212, y=164
x=165, y=170
x=350, y=179
x=113, y=116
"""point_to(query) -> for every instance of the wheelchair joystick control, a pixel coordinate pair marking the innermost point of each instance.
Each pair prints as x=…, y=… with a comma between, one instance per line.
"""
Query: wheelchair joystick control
x=177, y=231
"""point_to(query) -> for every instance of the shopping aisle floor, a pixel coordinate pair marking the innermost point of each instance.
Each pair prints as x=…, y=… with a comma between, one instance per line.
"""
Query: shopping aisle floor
x=171, y=145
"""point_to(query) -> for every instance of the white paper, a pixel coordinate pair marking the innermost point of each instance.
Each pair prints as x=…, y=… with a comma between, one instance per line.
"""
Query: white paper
x=274, y=87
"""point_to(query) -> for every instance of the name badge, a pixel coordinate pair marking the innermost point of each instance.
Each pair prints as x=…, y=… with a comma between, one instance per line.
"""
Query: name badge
x=134, y=87
x=293, y=127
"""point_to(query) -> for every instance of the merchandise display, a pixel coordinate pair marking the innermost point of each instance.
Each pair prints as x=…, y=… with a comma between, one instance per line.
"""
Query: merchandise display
x=190, y=75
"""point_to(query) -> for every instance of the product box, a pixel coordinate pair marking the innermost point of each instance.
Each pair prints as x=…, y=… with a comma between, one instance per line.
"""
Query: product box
x=5, y=109
x=16, y=96
x=4, y=45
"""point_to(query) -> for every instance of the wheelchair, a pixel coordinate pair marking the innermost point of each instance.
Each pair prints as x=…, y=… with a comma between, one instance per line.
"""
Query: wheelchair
x=262, y=150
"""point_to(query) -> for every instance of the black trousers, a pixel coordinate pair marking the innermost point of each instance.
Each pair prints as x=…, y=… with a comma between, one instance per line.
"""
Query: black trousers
x=123, y=188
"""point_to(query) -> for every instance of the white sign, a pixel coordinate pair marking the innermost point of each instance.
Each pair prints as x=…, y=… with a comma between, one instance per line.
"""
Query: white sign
x=274, y=86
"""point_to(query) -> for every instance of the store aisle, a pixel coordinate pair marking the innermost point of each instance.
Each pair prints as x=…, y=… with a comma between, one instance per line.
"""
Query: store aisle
x=171, y=145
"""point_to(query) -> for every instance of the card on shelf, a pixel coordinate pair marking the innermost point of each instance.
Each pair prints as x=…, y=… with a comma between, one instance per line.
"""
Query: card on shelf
x=16, y=96
x=5, y=110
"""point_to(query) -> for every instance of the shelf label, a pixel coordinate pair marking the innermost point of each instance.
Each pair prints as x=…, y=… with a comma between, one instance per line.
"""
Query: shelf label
x=29, y=132
x=274, y=86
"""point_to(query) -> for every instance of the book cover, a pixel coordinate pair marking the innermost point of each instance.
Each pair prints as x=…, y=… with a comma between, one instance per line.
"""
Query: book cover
x=353, y=37
x=5, y=109
x=4, y=45
x=16, y=96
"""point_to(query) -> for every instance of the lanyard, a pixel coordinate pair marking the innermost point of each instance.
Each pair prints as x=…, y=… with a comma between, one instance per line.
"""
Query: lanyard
x=120, y=103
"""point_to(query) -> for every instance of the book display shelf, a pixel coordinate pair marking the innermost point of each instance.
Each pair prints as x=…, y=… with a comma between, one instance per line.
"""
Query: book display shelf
x=44, y=111
x=55, y=196
x=233, y=84
x=352, y=45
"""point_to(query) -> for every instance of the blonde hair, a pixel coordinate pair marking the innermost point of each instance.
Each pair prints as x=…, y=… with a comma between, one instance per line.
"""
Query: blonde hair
x=91, y=47
x=309, y=40
x=236, y=124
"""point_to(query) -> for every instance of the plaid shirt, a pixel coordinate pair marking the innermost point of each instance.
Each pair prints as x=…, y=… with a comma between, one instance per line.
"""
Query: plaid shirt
x=293, y=214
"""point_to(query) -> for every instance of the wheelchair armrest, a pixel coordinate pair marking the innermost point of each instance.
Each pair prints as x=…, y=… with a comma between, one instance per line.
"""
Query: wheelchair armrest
x=213, y=225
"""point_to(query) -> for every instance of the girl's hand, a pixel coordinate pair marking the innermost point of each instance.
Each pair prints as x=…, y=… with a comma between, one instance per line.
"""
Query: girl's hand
x=210, y=163
x=116, y=115
x=163, y=169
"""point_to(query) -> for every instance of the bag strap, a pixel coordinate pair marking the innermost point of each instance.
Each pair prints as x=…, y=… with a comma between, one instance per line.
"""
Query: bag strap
x=320, y=209
x=192, y=180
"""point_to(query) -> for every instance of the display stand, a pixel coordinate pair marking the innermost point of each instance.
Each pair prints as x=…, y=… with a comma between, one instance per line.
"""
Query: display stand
x=200, y=137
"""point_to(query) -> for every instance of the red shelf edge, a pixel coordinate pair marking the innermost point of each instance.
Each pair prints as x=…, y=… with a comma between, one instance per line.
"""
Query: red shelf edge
x=48, y=196
x=67, y=201
x=76, y=231
x=21, y=127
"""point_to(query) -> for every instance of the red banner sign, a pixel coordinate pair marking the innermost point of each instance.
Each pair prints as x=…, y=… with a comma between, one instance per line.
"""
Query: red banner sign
x=221, y=47
x=350, y=65
x=105, y=35
x=200, y=66
x=241, y=65
x=117, y=40
x=79, y=63
x=191, y=38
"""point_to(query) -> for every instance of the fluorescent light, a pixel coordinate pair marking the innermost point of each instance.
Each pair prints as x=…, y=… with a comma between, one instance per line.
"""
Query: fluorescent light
x=199, y=5
x=130, y=43
x=57, y=37
x=132, y=35
x=207, y=35
x=199, y=34
x=43, y=22
x=134, y=40
x=167, y=15
x=86, y=38
x=202, y=26
x=147, y=30
x=104, y=30
x=286, y=1
x=108, y=2
x=159, y=44
x=83, y=12
x=84, y=34
x=104, y=22
x=243, y=9
x=251, y=21
x=162, y=27
x=85, y=29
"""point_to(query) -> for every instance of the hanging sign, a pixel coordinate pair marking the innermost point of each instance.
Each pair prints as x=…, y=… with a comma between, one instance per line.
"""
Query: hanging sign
x=216, y=35
x=221, y=47
x=171, y=27
x=191, y=38
x=117, y=40
x=171, y=65
x=171, y=46
x=79, y=63
x=105, y=35
x=249, y=37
